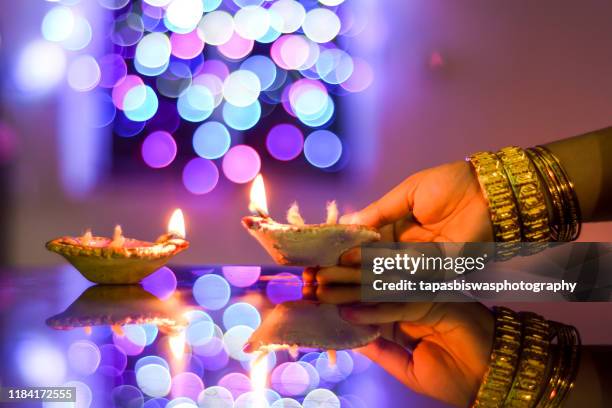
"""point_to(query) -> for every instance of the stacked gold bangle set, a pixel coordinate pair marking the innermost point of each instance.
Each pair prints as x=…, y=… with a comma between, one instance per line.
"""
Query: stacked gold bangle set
x=533, y=364
x=531, y=199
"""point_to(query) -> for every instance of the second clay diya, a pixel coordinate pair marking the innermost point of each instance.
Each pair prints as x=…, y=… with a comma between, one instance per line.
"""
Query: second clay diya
x=121, y=260
x=300, y=244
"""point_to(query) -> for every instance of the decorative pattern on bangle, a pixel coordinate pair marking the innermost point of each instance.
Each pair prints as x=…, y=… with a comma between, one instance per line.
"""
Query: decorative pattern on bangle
x=502, y=205
x=530, y=375
x=504, y=360
x=527, y=368
x=527, y=189
x=567, y=221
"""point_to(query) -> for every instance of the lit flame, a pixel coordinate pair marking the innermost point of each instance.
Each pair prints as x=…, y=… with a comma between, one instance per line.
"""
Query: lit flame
x=258, y=203
x=176, y=225
x=259, y=377
x=177, y=345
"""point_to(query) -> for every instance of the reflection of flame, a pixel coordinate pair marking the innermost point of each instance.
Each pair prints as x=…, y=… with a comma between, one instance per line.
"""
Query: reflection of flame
x=259, y=377
x=258, y=203
x=177, y=345
x=176, y=225
x=331, y=354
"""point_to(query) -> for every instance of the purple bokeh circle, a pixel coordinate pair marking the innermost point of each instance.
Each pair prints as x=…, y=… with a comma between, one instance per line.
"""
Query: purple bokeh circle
x=159, y=149
x=188, y=385
x=162, y=283
x=241, y=164
x=200, y=176
x=112, y=70
x=236, y=383
x=284, y=287
x=113, y=360
x=285, y=142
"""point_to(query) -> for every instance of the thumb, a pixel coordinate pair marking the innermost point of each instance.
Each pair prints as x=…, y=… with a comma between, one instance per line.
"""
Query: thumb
x=394, y=205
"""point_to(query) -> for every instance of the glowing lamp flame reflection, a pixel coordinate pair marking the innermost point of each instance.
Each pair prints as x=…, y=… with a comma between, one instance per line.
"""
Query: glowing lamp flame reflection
x=259, y=376
x=177, y=345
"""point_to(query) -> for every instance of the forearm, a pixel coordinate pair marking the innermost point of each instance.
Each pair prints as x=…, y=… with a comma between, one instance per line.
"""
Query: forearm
x=593, y=386
x=588, y=161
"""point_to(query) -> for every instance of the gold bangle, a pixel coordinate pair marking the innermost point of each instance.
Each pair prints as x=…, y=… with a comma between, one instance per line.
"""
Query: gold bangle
x=569, y=375
x=565, y=367
x=528, y=193
x=504, y=358
x=556, y=175
x=572, y=205
x=530, y=375
x=557, y=221
x=525, y=370
x=557, y=364
x=502, y=206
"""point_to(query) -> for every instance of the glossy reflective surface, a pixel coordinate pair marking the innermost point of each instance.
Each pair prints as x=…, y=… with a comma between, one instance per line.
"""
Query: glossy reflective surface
x=174, y=341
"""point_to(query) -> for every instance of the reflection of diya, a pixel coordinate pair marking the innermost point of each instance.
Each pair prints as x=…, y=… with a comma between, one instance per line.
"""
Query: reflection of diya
x=113, y=305
x=308, y=324
x=121, y=260
x=298, y=243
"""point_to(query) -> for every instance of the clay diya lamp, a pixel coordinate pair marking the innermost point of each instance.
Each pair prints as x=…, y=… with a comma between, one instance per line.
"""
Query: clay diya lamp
x=117, y=305
x=300, y=244
x=310, y=324
x=121, y=260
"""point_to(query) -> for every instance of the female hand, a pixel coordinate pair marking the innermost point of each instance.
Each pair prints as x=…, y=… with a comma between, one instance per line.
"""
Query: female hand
x=441, y=204
x=450, y=345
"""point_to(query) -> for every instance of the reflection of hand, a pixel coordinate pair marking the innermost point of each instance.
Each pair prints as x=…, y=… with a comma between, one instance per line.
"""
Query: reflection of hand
x=441, y=204
x=450, y=343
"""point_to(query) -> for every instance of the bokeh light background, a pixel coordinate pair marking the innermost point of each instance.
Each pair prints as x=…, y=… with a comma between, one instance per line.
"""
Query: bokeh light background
x=136, y=105
x=436, y=94
x=449, y=78
x=139, y=365
x=213, y=90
